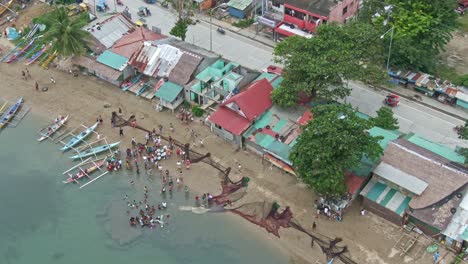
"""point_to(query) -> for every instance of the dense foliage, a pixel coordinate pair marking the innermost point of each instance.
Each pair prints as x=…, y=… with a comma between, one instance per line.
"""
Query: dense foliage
x=463, y=134
x=180, y=29
x=318, y=66
x=65, y=33
x=334, y=141
x=385, y=119
x=422, y=29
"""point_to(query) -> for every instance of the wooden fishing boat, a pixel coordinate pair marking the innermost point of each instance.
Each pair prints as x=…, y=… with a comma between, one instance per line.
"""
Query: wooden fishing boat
x=95, y=150
x=132, y=82
x=78, y=138
x=37, y=55
x=10, y=113
x=52, y=128
x=20, y=52
x=85, y=172
x=6, y=6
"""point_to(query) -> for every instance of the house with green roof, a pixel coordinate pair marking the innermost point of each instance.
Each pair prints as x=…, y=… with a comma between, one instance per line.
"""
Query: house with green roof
x=239, y=8
x=217, y=82
x=170, y=95
x=108, y=66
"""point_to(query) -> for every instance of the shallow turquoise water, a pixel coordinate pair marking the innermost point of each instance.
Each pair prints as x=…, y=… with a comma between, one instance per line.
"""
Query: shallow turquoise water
x=44, y=221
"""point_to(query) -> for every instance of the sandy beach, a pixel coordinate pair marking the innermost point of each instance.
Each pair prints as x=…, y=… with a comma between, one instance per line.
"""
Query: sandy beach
x=369, y=238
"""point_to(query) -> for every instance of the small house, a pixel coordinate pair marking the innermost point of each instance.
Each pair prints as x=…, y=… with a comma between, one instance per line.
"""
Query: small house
x=414, y=184
x=236, y=115
x=239, y=8
x=170, y=95
x=462, y=99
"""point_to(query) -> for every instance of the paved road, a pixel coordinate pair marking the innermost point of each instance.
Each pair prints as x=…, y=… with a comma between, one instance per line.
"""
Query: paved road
x=412, y=117
x=231, y=46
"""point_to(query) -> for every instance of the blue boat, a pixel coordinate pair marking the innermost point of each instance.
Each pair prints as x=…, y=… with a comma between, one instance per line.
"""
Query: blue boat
x=10, y=113
x=78, y=138
x=95, y=150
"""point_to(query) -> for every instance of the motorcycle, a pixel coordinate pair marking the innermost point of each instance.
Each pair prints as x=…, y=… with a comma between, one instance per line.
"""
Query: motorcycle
x=221, y=30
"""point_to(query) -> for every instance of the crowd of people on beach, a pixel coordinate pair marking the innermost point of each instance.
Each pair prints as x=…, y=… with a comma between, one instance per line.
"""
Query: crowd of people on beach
x=151, y=155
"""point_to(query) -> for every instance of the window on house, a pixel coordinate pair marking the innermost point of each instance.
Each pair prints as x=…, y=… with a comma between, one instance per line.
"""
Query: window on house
x=276, y=3
x=218, y=126
x=345, y=10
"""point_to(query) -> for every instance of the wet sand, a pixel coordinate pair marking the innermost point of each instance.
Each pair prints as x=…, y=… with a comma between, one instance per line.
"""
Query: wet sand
x=369, y=238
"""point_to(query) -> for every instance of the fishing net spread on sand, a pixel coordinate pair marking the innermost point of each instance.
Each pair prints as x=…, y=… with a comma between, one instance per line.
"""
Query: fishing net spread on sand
x=264, y=214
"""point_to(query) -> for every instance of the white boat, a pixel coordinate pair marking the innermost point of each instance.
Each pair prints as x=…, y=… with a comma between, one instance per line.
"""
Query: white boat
x=52, y=128
x=96, y=150
x=78, y=138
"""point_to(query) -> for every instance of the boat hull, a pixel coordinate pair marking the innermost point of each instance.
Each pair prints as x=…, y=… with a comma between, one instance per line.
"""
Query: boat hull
x=95, y=150
x=81, y=174
x=10, y=113
x=54, y=127
x=77, y=139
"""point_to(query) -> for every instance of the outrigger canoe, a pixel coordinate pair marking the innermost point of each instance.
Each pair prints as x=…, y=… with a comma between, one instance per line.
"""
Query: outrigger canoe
x=52, y=128
x=95, y=150
x=10, y=113
x=85, y=172
x=78, y=138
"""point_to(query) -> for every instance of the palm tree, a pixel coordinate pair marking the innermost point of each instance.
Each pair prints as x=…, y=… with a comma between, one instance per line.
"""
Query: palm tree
x=65, y=33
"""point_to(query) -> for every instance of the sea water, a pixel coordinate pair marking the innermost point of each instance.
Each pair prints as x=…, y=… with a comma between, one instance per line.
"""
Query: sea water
x=44, y=221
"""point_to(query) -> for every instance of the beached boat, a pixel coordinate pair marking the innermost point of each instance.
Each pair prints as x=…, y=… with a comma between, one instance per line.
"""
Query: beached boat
x=52, y=128
x=10, y=113
x=37, y=55
x=78, y=138
x=85, y=172
x=20, y=52
x=94, y=151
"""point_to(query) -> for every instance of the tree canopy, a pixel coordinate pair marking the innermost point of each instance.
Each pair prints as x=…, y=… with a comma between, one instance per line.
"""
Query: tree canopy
x=317, y=67
x=385, y=119
x=180, y=29
x=421, y=29
x=463, y=134
x=65, y=33
x=334, y=141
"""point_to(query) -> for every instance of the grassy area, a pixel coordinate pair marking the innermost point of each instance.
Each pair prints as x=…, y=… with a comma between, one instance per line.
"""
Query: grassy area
x=448, y=73
x=464, y=23
x=243, y=23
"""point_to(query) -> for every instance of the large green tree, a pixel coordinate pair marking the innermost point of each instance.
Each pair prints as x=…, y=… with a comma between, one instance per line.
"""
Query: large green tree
x=65, y=33
x=334, y=141
x=385, y=119
x=463, y=134
x=422, y=28
x=318, y=66
x=180, y=29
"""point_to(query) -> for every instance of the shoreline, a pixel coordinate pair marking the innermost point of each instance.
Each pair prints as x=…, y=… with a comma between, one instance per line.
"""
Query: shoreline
x=84, y=97
x=46, y=105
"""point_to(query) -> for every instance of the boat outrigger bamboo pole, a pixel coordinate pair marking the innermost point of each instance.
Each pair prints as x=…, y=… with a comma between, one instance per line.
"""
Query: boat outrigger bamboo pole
x=8, y=8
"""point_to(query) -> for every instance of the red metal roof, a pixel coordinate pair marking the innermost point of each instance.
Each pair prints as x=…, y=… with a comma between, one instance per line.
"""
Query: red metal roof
x=229, y=120
x=305, y=118
x=353, y=182
x=130, y=43
x=255, y=100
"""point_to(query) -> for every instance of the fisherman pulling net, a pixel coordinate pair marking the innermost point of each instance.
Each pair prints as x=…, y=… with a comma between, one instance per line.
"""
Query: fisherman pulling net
x=264, y=214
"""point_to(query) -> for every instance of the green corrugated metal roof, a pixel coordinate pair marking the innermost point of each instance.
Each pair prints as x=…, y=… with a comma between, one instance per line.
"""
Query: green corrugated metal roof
x=169, y=91
x=464, y=236
x=280, y=149
x=276, y=83
x=439, y=149
x=113, y=60
x=388, y=135
x=362, y=115
x=239, y=4
x=266, y=75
